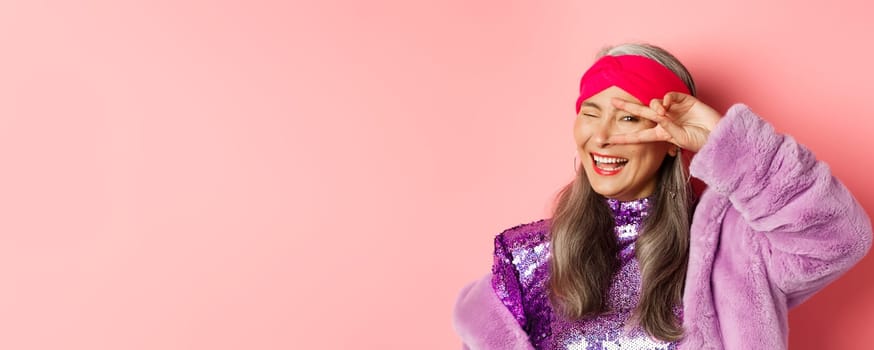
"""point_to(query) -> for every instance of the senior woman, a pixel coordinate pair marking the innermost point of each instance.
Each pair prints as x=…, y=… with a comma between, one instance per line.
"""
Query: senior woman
x=632, y=258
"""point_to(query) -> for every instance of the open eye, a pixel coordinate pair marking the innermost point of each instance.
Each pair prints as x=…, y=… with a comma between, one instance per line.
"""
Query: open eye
x=629, y=118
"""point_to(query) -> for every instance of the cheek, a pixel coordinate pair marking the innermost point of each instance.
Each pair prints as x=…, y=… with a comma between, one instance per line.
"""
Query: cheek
x=650, y=158
x=581, y=133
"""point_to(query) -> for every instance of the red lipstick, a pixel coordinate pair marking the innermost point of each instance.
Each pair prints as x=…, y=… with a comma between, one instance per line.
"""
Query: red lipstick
x=603, y=171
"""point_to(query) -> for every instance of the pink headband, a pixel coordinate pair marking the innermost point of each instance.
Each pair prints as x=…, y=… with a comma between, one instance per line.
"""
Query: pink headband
x=640, y=76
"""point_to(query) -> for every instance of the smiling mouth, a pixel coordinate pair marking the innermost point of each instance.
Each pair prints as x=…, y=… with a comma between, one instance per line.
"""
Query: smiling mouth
x=605, y=165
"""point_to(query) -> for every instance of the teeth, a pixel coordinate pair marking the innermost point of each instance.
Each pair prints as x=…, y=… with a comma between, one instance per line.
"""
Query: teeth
x=600, y=159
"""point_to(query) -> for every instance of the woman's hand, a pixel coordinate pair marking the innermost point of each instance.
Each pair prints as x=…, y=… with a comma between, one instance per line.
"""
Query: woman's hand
x=680, y=119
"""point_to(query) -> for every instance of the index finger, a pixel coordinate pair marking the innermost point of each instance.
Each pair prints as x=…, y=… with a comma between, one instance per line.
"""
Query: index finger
x=643, y=136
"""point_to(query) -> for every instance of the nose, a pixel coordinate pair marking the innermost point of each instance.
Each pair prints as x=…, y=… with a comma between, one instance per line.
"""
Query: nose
x=601, y=133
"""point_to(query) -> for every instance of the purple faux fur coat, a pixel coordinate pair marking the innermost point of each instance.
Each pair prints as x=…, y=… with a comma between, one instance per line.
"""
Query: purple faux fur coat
x=773, y=228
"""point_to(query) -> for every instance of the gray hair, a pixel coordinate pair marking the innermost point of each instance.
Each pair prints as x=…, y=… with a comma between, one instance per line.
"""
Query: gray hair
x=656, y=53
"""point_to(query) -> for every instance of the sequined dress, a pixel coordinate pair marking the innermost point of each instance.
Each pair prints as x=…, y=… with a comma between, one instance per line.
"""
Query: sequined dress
x=521, y=269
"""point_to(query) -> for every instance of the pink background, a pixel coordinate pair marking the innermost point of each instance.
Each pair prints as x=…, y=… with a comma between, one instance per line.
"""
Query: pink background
x=329, y=174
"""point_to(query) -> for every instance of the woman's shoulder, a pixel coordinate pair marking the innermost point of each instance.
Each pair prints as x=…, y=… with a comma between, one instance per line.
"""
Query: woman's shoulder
x=525, y=235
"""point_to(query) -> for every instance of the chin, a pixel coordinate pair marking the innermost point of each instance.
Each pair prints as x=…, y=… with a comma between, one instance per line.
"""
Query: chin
x=607, y=193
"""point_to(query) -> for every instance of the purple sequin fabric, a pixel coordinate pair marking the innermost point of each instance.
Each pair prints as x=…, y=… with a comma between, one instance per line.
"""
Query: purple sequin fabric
x=521, y=270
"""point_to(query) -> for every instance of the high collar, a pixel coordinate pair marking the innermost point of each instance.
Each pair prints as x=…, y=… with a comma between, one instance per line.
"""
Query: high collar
x=632, y=211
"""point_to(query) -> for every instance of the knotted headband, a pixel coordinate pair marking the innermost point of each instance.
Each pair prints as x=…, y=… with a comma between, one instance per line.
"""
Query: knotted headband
x=640, y=76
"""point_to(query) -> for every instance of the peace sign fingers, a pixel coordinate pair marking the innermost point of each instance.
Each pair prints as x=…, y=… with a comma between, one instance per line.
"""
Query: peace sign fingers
x=669, y=129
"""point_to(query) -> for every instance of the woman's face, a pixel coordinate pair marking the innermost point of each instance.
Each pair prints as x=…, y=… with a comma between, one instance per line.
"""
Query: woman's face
x=623, y=172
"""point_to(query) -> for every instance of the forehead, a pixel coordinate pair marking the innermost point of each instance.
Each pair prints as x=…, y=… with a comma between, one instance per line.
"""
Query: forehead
x=601, y=100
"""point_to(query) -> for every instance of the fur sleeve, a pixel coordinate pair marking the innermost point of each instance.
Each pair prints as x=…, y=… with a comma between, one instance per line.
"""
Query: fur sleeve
x=483, y=322
x=814, y=228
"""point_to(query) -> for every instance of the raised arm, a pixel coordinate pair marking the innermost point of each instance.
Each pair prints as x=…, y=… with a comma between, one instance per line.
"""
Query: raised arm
x=814, y=227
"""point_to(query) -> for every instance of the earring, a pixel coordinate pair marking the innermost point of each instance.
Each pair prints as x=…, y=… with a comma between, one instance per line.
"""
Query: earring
x=576, y=167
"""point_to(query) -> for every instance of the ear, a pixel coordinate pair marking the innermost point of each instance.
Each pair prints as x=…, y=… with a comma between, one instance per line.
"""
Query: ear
x=673, y=150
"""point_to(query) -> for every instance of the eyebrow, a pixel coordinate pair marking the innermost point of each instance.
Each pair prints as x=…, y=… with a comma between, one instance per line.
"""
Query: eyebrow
x=591, y=104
